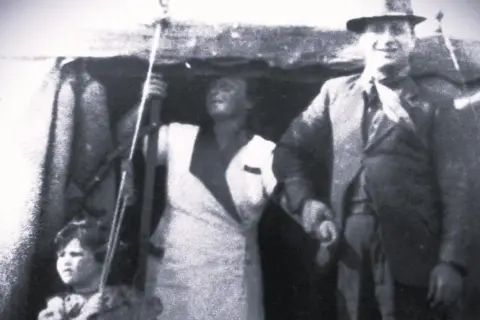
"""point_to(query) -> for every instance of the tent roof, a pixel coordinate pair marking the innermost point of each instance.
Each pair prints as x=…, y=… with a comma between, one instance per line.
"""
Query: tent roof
x=284, y=47
x=113, y=28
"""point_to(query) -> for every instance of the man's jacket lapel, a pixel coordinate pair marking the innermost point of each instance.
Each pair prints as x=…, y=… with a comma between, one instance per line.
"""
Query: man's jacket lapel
x=346, y=115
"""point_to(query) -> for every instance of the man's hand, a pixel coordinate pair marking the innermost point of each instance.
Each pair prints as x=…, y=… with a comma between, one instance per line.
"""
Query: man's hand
x=445, y=286
x=327, y=233
x=313, y=214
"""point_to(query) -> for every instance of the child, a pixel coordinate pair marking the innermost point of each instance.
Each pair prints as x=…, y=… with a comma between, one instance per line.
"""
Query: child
x=81, y=248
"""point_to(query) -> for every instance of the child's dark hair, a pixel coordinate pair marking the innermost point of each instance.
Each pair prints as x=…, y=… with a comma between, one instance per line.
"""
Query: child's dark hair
x=91, y=233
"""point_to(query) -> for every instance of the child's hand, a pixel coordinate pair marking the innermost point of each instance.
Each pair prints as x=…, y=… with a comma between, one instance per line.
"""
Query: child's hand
x=93, y=305
x=74, y=304
x=50, y=314
x=55, y=303
x=53, y=311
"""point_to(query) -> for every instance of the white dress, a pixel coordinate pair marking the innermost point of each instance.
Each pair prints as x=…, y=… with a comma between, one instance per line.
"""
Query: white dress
x=211, y=266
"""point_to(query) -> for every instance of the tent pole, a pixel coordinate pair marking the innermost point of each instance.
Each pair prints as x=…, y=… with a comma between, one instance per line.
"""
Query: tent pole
x=122, y=198
x=148, y=192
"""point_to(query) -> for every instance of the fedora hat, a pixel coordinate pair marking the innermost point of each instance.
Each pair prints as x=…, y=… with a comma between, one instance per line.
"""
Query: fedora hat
x=375, y=9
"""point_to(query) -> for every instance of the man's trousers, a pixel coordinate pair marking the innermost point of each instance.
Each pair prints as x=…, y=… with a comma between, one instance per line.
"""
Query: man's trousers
x=365, y=289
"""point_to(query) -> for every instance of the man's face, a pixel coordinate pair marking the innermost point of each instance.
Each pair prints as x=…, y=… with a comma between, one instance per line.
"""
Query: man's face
x=387, y=43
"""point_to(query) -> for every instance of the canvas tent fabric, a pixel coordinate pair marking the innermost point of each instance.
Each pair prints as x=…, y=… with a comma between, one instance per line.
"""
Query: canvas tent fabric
x=53, y=141
x=109, y=28
x=43, y=156
x=23, y=103
x=285, y=47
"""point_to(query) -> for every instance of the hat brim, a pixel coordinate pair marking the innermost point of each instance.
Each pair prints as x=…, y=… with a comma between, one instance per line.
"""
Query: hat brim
x=358, y=25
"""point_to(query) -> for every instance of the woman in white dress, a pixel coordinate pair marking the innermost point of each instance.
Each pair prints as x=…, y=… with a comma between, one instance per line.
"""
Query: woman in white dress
x=218, y=183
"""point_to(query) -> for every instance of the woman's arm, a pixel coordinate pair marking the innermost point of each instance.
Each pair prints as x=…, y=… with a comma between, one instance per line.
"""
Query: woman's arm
x=157, y=91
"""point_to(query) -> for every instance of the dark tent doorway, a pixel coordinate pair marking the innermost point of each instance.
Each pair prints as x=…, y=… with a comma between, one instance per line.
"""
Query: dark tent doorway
x=292, y=287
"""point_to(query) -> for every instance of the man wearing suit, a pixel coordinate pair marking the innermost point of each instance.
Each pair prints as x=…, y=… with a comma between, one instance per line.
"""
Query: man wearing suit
x=399, y=183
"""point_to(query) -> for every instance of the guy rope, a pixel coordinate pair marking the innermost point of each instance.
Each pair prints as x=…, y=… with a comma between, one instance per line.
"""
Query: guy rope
x=464, y=102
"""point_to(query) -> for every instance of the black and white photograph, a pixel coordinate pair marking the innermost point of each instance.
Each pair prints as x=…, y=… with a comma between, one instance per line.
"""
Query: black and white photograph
x=240, y=160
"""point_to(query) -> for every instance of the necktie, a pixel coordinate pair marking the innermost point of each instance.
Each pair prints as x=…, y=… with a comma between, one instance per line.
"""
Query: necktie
x=373, y=113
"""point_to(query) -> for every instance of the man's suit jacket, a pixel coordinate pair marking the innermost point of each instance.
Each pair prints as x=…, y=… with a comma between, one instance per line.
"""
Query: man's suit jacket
x=417, y=175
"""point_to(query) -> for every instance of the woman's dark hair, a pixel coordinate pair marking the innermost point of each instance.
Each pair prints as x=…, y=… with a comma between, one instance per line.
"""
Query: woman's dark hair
x=251, y=93
x=91, y=233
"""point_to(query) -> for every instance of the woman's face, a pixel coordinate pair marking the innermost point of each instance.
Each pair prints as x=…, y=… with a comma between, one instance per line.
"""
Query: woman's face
x=227, y=98
x=77, y=266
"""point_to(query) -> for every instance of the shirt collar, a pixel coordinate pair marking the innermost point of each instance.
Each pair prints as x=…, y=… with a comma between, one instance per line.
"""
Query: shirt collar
x=401, y=83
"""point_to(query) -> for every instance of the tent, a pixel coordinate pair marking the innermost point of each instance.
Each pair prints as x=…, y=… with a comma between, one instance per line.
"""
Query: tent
x=69, y=134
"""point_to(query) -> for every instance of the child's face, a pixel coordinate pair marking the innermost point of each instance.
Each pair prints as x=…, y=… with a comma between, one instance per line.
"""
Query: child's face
x=76, y=265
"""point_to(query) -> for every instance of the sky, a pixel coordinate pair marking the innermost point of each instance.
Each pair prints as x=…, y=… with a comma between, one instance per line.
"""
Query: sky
x=60, y=22
x=462, y=17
